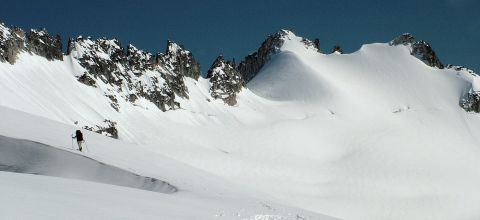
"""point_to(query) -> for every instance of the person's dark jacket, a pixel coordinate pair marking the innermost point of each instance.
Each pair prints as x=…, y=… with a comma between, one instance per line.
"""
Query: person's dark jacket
x=78, y=135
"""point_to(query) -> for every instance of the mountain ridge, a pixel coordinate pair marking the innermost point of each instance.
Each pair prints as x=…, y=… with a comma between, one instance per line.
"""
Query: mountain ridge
x=373, y=134
x=130, y=74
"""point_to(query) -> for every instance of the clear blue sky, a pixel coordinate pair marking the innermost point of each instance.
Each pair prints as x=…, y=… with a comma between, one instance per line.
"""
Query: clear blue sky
x=236, y=28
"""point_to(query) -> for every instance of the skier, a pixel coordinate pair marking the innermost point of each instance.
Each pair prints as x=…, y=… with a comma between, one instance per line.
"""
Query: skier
x=80, y=141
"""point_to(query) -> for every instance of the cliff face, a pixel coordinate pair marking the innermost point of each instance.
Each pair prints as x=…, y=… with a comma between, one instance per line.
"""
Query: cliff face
x=252, y=63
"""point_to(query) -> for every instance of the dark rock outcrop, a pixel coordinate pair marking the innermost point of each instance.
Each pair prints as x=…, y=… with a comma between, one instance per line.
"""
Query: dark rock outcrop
x=14, y=40
x=181, y=61
x=470, y=102
x=132, y=73
x=107, y=128
x=316, y=43
x=101, y=58
x=420, y=49
x=41, y=43
x=226, y=81
x=139, y=60
x=337, y=49
x=425, y=53
x=404, y=39
x=252, y=63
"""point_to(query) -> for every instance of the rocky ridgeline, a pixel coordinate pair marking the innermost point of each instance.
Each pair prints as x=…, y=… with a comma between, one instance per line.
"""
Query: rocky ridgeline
x=252, y=63
x=14, y=40
x=226, y=81
x=132, y=73
x=129, y=74
x=420, y=49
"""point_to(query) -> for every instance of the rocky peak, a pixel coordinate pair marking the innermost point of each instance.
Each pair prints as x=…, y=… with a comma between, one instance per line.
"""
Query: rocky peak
x=252, y=63
x=14, y=40
x=420, y=49
x=225, y=80
x=423, y=51
x=404, y=39
x=41, y=43
x=179, y=60
x=316, y=44
x=99, y=57
x=127, y=74
x=139, y=60
x=337, y=49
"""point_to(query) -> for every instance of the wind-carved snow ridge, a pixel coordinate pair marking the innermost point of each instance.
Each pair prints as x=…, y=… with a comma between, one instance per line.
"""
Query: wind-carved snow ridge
x=22, y=156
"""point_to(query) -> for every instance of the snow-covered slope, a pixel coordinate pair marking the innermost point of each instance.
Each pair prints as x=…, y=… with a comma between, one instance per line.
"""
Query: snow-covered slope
x=376, y=134
x=90, y=187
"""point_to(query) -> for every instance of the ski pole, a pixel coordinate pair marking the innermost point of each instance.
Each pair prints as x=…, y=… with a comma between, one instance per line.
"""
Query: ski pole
x=86, y=148
x=71, y=138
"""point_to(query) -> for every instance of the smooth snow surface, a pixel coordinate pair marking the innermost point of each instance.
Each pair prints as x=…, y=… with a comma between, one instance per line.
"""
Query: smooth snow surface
x=25, y=196
x=371, y=135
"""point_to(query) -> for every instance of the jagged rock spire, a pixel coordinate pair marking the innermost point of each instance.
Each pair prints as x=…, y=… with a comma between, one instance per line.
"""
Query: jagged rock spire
x=252, y=63
x=41, y=43
x=180, y=60
x=337, y=49
x=226, y=81
x=14, y=40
